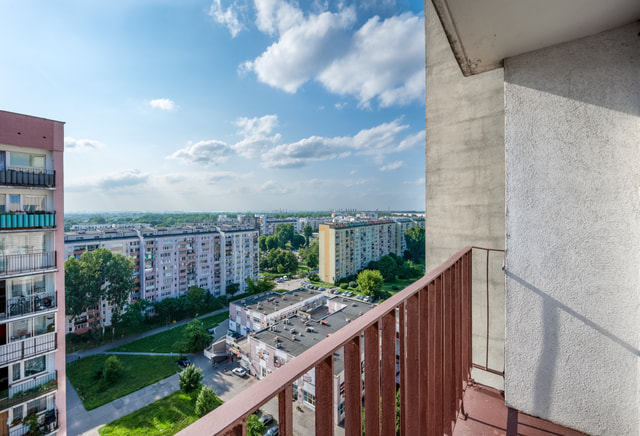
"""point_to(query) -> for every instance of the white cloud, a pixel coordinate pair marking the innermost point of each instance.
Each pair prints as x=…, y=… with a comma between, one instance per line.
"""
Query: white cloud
x=341, y=105
x=382, y=61
x=386, y=61
x=204, y=153
x=305, y=46
x=162, y=103
x=227, y=17
x=125, y=179
x=72, y=144
x=274, y=188
x=392, y=166
x=257, y=135
x=276, y=15
x=377, y=141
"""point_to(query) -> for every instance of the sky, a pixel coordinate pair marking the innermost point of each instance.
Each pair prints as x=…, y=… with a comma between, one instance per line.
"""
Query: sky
x=225, y=105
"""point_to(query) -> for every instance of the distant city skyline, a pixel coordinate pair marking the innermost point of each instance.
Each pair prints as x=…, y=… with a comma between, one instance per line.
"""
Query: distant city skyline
x=225, y=105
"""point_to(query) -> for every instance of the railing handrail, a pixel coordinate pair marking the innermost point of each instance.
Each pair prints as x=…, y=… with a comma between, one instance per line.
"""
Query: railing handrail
x=225, y=417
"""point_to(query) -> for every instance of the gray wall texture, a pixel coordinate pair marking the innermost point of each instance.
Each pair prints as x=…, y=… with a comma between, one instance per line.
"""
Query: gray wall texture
x=465, y=180
x=572, y=131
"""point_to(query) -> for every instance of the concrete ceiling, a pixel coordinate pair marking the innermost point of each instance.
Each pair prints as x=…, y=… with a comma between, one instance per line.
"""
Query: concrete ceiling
x=484, y=32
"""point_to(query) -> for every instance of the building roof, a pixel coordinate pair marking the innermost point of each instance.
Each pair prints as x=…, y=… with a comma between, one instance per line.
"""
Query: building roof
x=270, y=302
x=296, y=335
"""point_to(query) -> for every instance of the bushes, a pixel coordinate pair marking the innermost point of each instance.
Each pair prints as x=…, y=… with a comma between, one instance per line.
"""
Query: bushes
x=113, y=369
x=207, y=401
x=353, y=284
x=190, y=379
x=344, y=285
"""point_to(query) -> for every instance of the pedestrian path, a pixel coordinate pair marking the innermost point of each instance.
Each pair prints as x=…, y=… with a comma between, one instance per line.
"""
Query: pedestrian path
x=86, y=423
x=105, y=348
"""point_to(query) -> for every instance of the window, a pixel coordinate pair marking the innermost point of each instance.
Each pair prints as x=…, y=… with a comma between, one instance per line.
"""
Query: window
x=16, y=371
x=33, y=203
x=37, y=406
x=34, y=366
x=14, y=203
x=26, y=160
x=309, y=398
x=18, y=412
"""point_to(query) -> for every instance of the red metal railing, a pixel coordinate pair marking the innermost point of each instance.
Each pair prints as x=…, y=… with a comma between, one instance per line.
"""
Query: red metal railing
x=431, y=320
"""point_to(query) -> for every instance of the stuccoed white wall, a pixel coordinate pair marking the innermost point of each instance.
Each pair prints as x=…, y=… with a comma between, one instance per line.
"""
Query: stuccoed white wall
x=465, y=181
x=572, y=132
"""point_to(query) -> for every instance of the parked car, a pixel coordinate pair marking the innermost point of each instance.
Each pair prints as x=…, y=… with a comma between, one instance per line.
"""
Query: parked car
x=183, y=362
x=240, y=372
x=266, y=419
x=273, y=431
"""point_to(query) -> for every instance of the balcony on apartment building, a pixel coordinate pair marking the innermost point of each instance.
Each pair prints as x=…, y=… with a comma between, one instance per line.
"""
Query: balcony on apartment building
x=425, y=350
x=27, y=220
x=26, y=176
x=30, y=304
x=47, y=425
x=30, y=390
x=16, y=264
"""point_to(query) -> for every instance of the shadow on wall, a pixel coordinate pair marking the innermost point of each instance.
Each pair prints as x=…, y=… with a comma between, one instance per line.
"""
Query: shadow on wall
x=595, y=85
x=547, y=360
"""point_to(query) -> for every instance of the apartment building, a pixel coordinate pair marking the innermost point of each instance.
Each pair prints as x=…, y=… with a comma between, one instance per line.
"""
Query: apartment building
x=32, y=356
x=346, y=248
x=268, y=224
x=168, y=261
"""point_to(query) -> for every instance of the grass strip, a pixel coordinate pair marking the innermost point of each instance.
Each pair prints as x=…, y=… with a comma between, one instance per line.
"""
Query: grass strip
x=167, y=341
x=138, y=372
x=166, y=416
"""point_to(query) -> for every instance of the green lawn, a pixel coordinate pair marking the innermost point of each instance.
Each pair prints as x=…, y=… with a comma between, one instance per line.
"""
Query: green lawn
x=166, y=416
x=139, y=371
x=165, y=342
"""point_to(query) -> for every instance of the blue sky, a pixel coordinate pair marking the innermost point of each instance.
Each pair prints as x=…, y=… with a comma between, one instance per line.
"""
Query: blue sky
x=219, y=105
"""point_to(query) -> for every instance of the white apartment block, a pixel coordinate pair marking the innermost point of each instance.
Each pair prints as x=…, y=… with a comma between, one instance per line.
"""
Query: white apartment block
x=168, y=261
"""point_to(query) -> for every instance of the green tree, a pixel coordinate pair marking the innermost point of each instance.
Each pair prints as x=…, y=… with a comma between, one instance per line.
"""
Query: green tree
x=196, y=337
x=196, y=297
x=311, y=255
x=254, y=426
x=232, y=288
x=99, y=275
x=113, y=369
x=259, y=286
x=414, y=237
x=167, y=308
x=297, y=241
x=284, y=233
x=370, y=282
x=190, y=379
x=206, y=402
x=134, y=314
x=388, y=268
x=272, y=242
x=307, y=231
x=262, y=243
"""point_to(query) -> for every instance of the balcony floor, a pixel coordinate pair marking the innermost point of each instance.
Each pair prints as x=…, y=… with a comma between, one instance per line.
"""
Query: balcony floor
x=488, y=415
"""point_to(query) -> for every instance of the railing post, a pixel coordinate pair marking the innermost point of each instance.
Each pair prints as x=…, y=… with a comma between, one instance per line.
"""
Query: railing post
x=285, y=413
x=352, y=387
x=372, y=380
x=412, y=378
x=388, y=377
x=324, y=396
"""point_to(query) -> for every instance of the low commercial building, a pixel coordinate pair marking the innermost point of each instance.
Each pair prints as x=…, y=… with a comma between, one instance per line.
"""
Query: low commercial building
x=256, y=312
x=271, y=348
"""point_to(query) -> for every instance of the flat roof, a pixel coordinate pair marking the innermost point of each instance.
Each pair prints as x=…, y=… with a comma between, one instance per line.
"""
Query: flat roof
x=297, y=343
x=270, y=302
